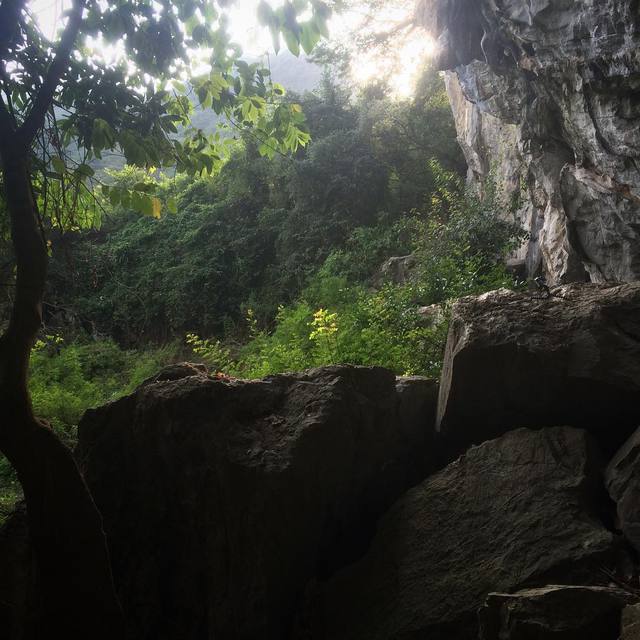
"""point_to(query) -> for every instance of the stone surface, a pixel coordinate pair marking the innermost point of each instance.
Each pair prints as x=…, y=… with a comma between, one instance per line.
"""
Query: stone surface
x=546, y=96
x=630, y=623
x=222, y=498
x=397, y=270
x=517, y=511
x=554, y=612
x=622, y=478
x=177, y=371
x=518, y=360
x=432, y=315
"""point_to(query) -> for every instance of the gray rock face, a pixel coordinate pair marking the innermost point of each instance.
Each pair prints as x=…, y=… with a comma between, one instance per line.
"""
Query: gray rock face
x=555, y=612
x=547, y=95
x=515, y=359
x=221, y=499
x=397, y=270
x=623, y=483
x=631, y=623
x=516, y=511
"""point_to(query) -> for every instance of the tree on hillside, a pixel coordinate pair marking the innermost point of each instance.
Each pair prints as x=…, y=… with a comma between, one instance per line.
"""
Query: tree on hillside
x=61, y=106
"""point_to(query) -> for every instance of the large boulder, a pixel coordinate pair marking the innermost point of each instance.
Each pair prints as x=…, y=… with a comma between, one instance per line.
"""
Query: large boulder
x=528, y=360
x=554, y=612
x=622, y=477
x=517, y=511
x=221, y=499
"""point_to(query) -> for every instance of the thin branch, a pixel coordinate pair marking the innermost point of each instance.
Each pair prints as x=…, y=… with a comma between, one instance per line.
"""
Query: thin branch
x=44, y=98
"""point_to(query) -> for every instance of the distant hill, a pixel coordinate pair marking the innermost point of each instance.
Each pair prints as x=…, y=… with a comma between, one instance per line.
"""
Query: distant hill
x=295, y=74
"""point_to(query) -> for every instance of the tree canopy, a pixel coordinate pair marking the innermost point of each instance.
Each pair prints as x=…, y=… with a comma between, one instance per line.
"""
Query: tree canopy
x=75, y=103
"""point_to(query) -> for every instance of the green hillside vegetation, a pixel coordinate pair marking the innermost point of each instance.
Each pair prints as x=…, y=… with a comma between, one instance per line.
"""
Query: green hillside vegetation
x=275, y=265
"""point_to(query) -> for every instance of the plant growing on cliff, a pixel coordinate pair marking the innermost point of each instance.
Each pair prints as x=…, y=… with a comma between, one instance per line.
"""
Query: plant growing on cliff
x=62, y=105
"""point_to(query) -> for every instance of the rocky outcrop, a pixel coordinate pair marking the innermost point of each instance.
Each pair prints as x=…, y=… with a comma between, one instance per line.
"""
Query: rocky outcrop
x=521, y=510
x=555, y=612
x=324, y=505
x=623, y=483
x=527, y=360
x=222, y=498
x=397, y=270
x=546, y=96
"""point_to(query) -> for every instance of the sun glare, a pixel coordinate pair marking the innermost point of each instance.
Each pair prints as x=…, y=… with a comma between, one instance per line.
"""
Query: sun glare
x=400, y=68
x=399, y=65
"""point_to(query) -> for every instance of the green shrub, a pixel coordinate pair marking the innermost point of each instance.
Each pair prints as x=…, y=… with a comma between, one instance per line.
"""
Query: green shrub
x=66, y=379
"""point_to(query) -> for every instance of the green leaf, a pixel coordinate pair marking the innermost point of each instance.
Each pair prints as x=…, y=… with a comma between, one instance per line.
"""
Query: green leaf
x=172, y=205
x=265, y=13
x=142, y=203
x=320, y=22
x=291, y=41
x=115, y=196
x=58, y=164
x=85, y=170
x=309, y=37
x=275, y=38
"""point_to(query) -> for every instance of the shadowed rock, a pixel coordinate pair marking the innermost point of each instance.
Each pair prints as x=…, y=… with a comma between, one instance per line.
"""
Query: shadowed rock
x=555, y=612
x=222, y=498
x=518, y=511
x=631, y=623
x=623, y=483
x=519, y=360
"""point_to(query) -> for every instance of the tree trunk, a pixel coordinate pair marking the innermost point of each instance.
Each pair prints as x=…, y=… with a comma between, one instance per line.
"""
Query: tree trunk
x=74, y=585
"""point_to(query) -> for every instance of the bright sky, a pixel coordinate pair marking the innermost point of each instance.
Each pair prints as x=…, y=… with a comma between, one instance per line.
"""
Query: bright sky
x=402, y=64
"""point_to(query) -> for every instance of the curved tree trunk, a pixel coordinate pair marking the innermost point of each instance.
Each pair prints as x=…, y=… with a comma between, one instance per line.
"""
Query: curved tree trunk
x=74, y=584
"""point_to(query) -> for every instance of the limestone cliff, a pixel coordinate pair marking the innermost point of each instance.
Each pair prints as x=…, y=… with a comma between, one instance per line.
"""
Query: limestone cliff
x=546, y=94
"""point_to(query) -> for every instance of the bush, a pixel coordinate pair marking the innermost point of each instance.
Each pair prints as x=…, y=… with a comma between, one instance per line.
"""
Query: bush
x=459, y=241
x=67, y=379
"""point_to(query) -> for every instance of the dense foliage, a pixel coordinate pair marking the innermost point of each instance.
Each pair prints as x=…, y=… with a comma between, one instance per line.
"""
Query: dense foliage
x=255, y=259
x=275, y=265
x=252, y=236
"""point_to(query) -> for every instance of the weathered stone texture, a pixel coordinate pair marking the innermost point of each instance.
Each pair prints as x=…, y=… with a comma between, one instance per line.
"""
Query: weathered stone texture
x=524, y=360
x=547, y=94
x=623, y=483
x=554, y=612
x=523, y=509
x=222, y=498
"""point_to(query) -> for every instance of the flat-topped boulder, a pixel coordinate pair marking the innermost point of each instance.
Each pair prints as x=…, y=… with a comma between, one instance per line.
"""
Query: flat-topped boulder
x=222, y=498
x=527, y=360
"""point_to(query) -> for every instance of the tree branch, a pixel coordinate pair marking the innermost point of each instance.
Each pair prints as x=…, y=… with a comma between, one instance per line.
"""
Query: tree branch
x=44, y=98
x=7, y=123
